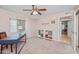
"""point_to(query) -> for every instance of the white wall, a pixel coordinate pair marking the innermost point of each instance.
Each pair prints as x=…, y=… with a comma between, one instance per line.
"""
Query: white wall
x=5, y=23
x=31, y=28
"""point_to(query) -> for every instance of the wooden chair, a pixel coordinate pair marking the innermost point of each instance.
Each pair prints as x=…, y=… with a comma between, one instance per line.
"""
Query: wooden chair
x=2, y=36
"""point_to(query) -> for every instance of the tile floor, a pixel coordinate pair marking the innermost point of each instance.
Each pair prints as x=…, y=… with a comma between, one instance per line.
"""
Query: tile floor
x=65, y=39
x=42, y=46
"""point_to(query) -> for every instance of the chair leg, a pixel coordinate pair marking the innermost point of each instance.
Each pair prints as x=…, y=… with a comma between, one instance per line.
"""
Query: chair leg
x=1, y=48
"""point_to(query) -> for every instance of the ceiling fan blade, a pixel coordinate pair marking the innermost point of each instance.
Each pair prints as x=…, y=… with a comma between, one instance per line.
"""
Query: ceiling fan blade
x=42, y=9
x=33, y=7
x=27, y=10
x=31, y=13
x=39, y=13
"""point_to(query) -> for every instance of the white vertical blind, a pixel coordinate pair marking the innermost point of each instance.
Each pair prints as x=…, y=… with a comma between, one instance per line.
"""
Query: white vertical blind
x=13, y=25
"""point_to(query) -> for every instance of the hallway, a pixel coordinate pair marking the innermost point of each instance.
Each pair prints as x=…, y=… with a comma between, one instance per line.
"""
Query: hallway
x=65, y=39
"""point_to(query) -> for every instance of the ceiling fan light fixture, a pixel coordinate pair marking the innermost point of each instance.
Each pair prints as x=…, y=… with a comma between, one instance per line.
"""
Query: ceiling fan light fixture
x=35, y=10
x=35, y=13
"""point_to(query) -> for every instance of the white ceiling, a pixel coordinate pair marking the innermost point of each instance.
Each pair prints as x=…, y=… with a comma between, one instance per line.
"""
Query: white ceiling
x=51, y=9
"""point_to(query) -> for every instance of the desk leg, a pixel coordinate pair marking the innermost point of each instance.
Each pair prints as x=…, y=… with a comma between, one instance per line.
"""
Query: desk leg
x=16, y=48
x=1, y=48
x=25, y=38
x=11, y=48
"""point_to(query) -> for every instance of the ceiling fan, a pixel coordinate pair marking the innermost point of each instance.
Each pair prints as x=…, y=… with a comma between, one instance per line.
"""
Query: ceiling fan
x=35, y=10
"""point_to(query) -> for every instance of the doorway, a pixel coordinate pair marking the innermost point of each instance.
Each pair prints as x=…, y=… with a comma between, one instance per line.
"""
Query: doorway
x=64, y=32
x=67, y=31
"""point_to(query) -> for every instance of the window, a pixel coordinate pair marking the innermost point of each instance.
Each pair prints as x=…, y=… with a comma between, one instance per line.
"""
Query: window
x=17, y=25
x=20, y=25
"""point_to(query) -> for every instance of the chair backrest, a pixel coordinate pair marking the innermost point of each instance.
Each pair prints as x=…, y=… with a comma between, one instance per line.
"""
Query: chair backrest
x=3, y=35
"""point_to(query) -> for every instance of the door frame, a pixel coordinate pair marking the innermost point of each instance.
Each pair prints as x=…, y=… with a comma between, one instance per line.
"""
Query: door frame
x=77, y=31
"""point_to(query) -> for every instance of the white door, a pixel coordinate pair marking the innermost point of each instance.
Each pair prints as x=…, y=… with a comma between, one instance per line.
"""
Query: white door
x=71, y=32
